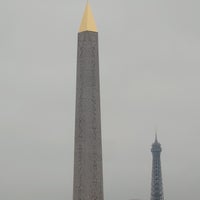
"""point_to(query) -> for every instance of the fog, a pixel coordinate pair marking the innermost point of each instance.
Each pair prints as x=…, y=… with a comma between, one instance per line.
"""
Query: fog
x=149, y=71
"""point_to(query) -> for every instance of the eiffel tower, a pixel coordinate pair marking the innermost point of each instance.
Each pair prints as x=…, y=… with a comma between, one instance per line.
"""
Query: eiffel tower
x=156, y=182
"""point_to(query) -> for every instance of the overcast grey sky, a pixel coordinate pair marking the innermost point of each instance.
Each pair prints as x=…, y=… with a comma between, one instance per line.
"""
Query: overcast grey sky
x=150, y=68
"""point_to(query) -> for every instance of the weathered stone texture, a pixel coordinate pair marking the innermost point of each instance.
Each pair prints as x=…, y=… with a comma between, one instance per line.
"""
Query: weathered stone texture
x=88, y=172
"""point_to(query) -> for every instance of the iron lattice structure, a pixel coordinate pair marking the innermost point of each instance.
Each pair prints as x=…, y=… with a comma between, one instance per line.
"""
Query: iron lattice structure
x=156, y=182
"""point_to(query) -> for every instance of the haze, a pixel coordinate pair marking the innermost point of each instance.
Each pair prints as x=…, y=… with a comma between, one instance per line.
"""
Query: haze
x=150, y=68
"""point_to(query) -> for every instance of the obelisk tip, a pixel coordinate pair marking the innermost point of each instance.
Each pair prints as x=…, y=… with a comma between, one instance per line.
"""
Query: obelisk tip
x=88, y=22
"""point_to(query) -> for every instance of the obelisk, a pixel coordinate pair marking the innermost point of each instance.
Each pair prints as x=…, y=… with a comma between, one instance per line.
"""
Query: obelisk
x=88, y=170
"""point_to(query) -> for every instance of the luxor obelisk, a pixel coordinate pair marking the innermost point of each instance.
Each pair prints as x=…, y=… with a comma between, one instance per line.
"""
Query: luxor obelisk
x=88, y=170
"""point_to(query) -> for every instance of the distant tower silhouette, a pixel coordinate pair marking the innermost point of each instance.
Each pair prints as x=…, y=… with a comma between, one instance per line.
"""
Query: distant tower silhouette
x=156, y=182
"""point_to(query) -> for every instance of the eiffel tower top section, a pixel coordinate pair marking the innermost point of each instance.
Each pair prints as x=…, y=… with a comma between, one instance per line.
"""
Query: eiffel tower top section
x=156, y=147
